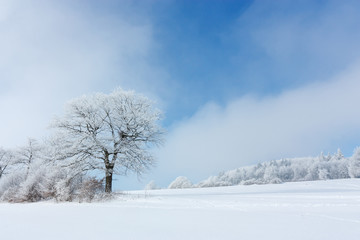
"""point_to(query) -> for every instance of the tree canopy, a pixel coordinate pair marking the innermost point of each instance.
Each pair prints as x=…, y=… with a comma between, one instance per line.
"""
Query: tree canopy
x=109, y=132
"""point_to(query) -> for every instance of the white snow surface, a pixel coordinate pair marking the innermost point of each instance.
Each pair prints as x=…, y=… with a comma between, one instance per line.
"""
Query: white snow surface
x=302, y=210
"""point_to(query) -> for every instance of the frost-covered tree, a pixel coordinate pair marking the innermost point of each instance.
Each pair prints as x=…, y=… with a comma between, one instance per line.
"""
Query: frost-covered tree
x=3, y=163
x=354, y=168
x=111, y=133
x=6, y=160
x=151, y=186
x=339, y=155
x=29, y=153
x=181, y=182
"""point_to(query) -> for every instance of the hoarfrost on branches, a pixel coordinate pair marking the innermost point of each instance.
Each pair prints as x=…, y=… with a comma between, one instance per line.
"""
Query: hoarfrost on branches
x=7, y=159
x=111, y=133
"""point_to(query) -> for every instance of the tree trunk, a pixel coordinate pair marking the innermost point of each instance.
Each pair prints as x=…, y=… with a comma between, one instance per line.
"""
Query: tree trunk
x=108, y=173
x=108, y=179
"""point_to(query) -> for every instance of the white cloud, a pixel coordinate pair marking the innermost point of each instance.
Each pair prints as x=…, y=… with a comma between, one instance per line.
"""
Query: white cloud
x=291, y=43
x=52, y=51
x=248, y=130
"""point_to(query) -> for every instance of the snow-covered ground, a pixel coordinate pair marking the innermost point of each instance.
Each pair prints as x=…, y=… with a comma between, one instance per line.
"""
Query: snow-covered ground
x=305, y=210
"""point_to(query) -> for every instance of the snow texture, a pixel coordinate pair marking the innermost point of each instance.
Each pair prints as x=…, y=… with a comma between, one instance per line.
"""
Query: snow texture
x=297, y=211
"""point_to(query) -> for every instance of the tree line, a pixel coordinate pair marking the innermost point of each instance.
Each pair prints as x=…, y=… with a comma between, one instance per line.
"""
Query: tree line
x=322, y=167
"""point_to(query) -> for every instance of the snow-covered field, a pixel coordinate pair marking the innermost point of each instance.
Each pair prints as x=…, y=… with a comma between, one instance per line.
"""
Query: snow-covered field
x=304, y=210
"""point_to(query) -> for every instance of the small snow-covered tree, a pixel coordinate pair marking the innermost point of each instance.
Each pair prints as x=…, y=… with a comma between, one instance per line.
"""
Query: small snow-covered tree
x=354, y=167
x=29, y=153
x=339, y=155
x=151, y=186
x=270, y=173
x=181, y=182
x=6, y=160
x=110, y=132
x=3, y=162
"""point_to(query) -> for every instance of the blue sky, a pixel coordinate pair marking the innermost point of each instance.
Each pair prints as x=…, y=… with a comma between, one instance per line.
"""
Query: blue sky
x=240, y=82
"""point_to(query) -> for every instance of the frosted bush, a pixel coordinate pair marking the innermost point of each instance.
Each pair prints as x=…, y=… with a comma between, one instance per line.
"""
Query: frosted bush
x=181, y=182
x=90, y=188
x=31, y=189
x=9, y=186
x=151, y=186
